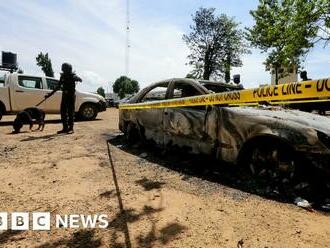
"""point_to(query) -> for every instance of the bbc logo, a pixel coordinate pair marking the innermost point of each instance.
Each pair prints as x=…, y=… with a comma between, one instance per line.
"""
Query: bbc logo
x=20, y=221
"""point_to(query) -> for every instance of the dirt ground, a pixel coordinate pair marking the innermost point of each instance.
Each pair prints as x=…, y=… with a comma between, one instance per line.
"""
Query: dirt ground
x=151, y=199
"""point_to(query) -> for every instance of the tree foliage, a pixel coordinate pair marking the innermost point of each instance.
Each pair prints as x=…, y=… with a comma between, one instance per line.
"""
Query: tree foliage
x=100, y=91
x=124, y=85
x=320, y=19
x=287, y=29
x=216, y=45
x=45, y=63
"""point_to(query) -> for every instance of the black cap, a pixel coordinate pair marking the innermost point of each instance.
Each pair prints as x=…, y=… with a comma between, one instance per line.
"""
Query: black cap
x=66, y=68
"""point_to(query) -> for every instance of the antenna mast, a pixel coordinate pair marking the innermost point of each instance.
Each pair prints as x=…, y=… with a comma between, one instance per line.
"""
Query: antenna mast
x=127, y=39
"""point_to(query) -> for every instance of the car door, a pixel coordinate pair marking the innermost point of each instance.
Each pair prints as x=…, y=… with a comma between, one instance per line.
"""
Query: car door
x=53, y=103
x=186, y=127
x=150, y=120
x=28, y=92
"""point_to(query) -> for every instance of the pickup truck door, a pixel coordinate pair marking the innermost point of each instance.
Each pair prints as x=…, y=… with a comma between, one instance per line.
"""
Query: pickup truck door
x=53, y=103
x=187, y=127
x=27, y=91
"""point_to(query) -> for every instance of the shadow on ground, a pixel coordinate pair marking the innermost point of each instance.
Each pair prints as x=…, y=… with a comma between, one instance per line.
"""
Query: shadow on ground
x=212, y=170
x=44, y=137
x=163, y=235
x=119, y=225
x=148, y=184
x=10, y=123
x=91, y=238
x=54, y=121
x=9, y=236
x=82, y=238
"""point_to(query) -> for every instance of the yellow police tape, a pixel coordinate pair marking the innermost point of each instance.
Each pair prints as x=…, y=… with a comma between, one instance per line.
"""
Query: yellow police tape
x=299, y=92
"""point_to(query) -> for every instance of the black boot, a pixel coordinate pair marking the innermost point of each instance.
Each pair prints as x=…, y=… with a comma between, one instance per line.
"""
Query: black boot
x=64, y=130
x=70, y=130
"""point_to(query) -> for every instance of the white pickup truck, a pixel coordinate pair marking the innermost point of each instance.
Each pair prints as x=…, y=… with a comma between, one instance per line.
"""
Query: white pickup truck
x=20, y=91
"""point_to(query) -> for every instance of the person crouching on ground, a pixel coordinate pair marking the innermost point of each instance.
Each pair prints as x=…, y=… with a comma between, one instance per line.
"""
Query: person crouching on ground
x=67, y=83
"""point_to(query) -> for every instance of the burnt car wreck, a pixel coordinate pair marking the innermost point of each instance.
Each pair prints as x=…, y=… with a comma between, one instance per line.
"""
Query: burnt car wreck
x=271, y=141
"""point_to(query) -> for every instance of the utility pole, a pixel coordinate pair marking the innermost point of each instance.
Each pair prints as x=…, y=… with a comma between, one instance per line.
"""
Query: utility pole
x=127, y=39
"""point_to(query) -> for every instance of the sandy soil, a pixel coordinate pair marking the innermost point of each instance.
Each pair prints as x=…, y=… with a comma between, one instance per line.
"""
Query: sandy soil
x=152, y=201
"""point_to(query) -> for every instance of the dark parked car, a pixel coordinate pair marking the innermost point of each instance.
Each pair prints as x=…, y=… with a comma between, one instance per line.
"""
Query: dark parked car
x=110, y=102
x=121, y=101
x=261, y=137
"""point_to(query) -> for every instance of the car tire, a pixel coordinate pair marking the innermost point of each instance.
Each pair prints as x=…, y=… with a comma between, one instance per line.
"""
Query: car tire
x=87, y=112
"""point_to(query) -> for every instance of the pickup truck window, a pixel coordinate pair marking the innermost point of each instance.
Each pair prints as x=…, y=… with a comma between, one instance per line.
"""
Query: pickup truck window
x=30, y=82
x=51, y=84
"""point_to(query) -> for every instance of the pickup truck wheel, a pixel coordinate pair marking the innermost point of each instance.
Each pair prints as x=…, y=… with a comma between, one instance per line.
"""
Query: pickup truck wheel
x=0, y=114
x=88, y=112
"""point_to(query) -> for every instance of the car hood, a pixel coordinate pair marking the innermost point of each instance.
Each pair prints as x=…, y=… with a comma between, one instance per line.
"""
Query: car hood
x=91, y=95
x=288, y=116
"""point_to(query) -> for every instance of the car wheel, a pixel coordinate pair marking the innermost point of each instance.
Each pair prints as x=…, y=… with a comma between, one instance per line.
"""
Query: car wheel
x=272, y=162
x=88, y=112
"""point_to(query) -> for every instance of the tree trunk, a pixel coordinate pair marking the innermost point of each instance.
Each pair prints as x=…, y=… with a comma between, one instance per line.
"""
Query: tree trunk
x=227, y=68
x=207, y=70
x=227, y=75
x=206, y=74
x=276, y=75
x=207, y=66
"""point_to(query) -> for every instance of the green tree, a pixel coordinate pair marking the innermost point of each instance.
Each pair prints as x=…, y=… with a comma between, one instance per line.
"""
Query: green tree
x=124, y=85
x=45, y=63
x=216, y=45
x=319, y=17
x=100, y=91
x=285, y=30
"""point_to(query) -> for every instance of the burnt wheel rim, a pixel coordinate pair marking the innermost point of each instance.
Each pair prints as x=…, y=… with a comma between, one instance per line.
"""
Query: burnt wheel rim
x=272, y=163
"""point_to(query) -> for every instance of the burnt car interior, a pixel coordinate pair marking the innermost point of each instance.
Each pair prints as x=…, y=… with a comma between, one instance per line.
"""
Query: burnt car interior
x=184, y=90
x=156, y=93
x=217, y=87
x=161, y=91
x=180, y=89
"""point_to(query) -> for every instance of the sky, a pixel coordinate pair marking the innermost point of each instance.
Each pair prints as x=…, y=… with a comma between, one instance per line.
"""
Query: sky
x=91, y=35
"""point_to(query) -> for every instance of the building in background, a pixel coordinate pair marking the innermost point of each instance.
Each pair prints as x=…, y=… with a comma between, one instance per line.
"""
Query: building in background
x=286, y=75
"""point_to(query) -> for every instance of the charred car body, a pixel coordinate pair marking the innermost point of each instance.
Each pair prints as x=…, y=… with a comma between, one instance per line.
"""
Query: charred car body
x=257, y=136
